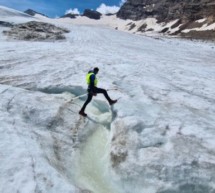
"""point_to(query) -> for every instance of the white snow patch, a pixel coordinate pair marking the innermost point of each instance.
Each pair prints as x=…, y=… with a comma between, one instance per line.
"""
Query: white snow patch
x=14, y=16
x=40, y=17
x=201, y=20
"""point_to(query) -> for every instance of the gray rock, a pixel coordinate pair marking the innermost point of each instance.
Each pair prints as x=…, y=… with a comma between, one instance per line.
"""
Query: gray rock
x=6, y=24
x=92, y=14
x=110, y=14
x=166, y=10
x=70, y=15
x=36, y=31
x=203, y=35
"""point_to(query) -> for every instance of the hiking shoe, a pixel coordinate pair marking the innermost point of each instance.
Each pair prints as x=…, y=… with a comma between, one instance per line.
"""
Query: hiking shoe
x=82, y=113
x=112, y=102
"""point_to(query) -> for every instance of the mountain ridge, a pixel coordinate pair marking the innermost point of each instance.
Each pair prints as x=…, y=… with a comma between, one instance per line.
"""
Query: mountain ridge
x=167, y=10
x=191, y=15
x=33, y=13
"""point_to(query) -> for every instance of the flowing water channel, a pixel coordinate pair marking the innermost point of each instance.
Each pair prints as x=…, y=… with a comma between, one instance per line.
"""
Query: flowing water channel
x=92, y=164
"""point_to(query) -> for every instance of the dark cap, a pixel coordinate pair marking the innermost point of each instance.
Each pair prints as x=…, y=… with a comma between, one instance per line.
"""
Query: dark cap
x=96, y=69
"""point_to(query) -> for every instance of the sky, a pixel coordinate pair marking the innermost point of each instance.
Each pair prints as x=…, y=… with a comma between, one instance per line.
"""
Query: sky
x=57, y=8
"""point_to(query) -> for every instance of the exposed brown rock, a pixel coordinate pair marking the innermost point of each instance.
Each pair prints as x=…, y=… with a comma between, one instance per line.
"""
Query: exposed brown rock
x=206, y=35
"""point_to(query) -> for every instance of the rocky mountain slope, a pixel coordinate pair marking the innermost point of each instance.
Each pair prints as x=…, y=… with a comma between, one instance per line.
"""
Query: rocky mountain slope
x=190, y=14
x=33, y=13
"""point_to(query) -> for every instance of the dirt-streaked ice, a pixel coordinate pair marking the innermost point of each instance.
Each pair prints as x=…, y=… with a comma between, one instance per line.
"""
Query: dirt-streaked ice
x=159, y=136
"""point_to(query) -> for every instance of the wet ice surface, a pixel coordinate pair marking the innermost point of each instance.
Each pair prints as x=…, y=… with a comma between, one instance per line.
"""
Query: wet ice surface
x=159, y=137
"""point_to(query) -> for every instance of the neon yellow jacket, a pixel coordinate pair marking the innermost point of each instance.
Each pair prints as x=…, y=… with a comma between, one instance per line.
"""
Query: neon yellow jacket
x=91, y=79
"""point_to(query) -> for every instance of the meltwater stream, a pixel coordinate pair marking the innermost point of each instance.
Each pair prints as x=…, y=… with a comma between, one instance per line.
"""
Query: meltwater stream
x=92, y=162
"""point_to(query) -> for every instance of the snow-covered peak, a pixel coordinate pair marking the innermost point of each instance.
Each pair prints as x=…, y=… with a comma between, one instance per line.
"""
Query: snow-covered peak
x=14, y=16
x=8, y=12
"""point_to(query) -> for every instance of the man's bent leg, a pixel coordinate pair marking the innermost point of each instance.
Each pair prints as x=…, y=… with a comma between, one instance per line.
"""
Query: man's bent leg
x=103, y=91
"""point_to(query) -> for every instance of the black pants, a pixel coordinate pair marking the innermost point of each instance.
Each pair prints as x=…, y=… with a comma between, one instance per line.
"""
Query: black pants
x=90, y=96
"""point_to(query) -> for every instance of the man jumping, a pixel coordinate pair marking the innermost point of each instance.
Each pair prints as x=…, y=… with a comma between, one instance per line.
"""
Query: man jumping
x=93, y=90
